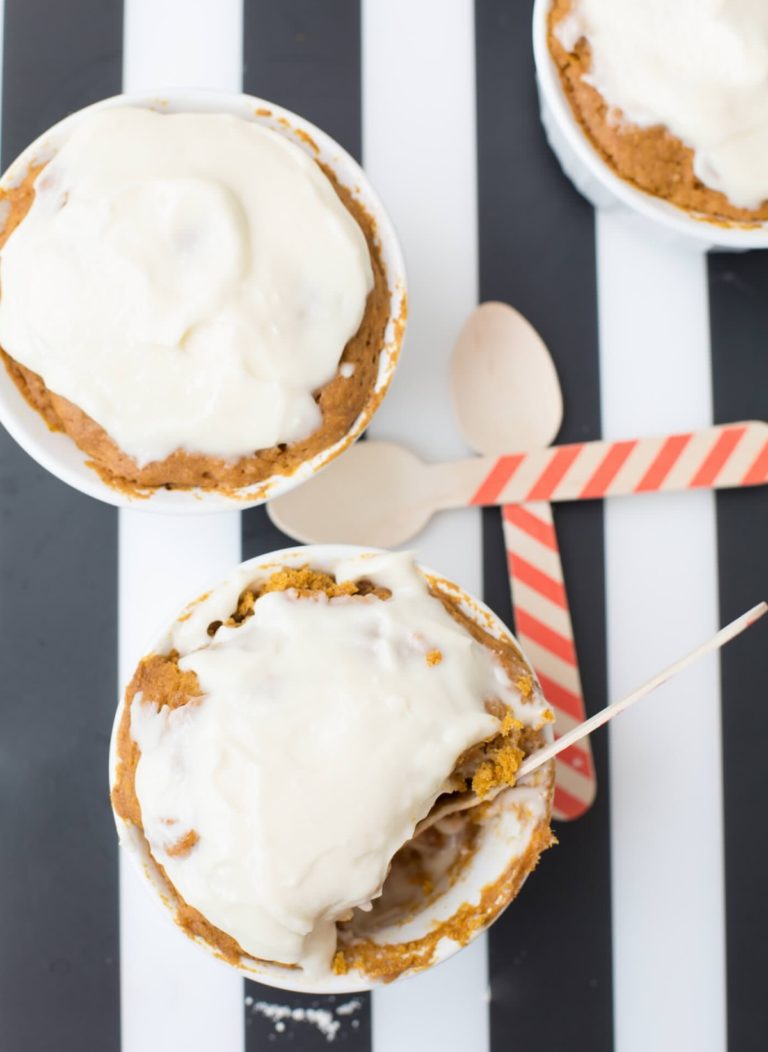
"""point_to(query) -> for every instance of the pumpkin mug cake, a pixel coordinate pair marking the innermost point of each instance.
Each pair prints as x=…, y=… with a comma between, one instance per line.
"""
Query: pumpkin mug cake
x=672, y=97
x=196, y=299
x=274, y=756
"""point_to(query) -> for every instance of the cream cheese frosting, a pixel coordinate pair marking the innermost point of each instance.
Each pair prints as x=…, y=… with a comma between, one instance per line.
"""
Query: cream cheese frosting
x=187, y=280
x=322, y=736
x=699, y=67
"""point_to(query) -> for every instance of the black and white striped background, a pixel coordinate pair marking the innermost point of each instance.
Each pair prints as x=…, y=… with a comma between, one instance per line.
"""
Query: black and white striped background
x=647, y=928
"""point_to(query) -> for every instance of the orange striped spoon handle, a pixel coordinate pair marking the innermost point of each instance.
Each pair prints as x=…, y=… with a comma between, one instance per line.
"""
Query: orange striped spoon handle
x=715, y=457
x=543, y=627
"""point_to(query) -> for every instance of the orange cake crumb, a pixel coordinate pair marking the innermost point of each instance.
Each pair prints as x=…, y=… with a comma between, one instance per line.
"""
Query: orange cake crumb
x=184, y=845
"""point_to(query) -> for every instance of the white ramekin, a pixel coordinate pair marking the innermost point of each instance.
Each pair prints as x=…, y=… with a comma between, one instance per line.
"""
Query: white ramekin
x=597, y=181
x=58, y=453
x=490, y=862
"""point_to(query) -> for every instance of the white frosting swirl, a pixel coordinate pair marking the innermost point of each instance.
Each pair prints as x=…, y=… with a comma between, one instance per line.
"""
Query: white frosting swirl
x=700, y=67
x=323, y=736
x=188, y=280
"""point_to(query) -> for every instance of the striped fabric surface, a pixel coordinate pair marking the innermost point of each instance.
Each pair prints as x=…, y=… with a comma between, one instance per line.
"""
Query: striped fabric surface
x=646, y=929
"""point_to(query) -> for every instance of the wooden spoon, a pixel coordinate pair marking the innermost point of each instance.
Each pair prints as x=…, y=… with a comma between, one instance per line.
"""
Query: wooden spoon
x=380, y=494
x=507, y=395
x=466, y=800
x=505, y=387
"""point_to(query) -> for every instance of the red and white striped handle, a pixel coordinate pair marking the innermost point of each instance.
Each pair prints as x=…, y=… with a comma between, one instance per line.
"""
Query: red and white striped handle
x=715, y=457
x=543, y=626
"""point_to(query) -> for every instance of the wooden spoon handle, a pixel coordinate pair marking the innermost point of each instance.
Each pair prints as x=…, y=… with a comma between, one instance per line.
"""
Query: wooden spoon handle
x=543, y=627
x=725, y=635
x=714, y=458
x=466, y=800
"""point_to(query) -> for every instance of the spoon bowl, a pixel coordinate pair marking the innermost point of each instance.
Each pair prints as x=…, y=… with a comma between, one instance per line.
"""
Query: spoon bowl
x=505, y=387
x=373, y=495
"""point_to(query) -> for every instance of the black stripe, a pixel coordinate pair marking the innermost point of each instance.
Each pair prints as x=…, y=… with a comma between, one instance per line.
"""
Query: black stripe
x=59, y=981
x=304, y=56
x=56, y=58
x=738, y=297
x=551, y=953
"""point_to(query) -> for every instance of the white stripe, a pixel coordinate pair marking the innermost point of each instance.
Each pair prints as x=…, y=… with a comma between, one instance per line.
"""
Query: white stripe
x=572, y=781
x=183, y=43
x=533, y=551
x=172, y=995
x=690, y=460
x=525, y=477
x=743, y=456
x=419, y=109
x=665, y=778
x=565, y=723
x=737, y=465
x=536, y=604
x=637, y=463
x=542, y=510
